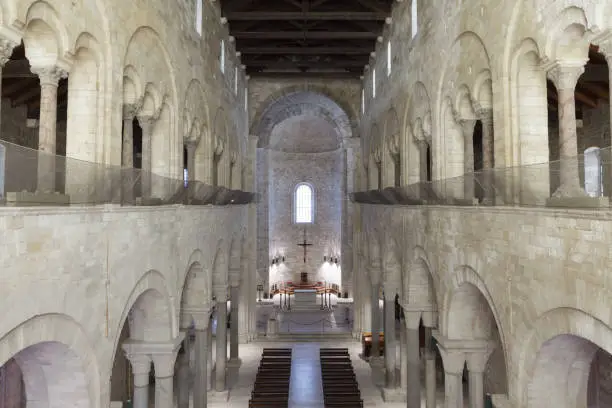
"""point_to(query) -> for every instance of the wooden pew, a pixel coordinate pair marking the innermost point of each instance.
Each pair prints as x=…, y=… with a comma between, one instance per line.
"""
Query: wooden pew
x=340, y=387
x=271, y=387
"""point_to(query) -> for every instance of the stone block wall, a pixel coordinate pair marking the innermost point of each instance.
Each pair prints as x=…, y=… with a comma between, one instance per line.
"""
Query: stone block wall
x=324, y=172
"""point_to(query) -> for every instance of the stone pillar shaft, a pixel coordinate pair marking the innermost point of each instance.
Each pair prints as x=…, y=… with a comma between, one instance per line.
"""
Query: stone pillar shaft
x=375, y=321
x=467, y=127
x=47, y=128
x=453, y=390
x=147, y=124
x=184, y=374
x=127, y=153
x=164, y=391
x=486, y=118
x=221, y=345
x=403, y=357
x=235, y=298
x=191, y=149
x=423, y=160
x=390, y=343
x=565, y=78
x=430, y=379
x=413, y=369
x=476, y=382
x=201, y=369
x=209, y=359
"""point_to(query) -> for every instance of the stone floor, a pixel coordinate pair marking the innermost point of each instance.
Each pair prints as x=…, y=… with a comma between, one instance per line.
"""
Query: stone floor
x=240, y=384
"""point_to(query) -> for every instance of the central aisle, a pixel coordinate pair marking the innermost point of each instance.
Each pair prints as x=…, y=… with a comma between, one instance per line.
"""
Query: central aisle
x=305, y=384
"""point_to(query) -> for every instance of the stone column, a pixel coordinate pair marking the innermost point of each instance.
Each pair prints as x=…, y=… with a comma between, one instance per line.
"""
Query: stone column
x=375, y=354
x=127, y=152
x=147, y=123
x=141, y=367
x=454, y=362
x=191, y=149
x=413, y=367
x=200, y=389
x=389, y=339
x=403, y=383
x=47, y=127
x=430, y=378
x=6, y=50
x=606, y=50
x=486, y=118
x=163, y=359
x=184, y=374
x=467, y=128
x=565, y=76
x=476, y=364
x=235, y=300
x=209, y=365
x=422, y=160
x=221, y=344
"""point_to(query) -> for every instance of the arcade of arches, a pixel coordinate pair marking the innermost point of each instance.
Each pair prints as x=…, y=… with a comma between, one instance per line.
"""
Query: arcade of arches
x=454, y=194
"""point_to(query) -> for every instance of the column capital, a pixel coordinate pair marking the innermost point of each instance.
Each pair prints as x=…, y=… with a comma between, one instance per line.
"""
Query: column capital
x=412, y=319
x=131, y=109
x=477, y=360
x=220, y=291
x=164, y=356
x=234, y=277
x=49, y=75
x=565, y=74
x=146, y=122
x=199, y=316
x=139, y=360
x=6, y=50
x=467, y=126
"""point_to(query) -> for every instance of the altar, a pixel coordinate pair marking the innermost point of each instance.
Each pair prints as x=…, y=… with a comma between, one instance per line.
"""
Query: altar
x=305, y=299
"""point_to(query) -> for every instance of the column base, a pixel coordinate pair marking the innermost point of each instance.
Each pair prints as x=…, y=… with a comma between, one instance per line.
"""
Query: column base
x=578, y=202
x=393, y=395
x=218, y=396
x=234, y=362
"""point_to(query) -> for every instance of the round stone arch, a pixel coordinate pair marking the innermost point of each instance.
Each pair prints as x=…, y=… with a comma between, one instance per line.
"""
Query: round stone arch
x=145, y=50
x=569, y=33
x=195, y=108
x=196, y=295
x=556, y=334
x=469, y=313
x=296, y=104
x=152, y=297
x=54, y=354
x=86, y=101
x=421, y=286
x=45, y=37
x=345, y=105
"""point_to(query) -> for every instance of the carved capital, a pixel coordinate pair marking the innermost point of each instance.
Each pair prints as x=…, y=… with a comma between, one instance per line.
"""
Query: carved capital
x=467, y=126
x=393, y=144
x=219, y=146
x=49, y=75
x=140, y=362
x=233, y=157
x=131, y=109
x=377, y=155
x=477, y=360
x=565, y=75
x=146, y=122
x=6, y=50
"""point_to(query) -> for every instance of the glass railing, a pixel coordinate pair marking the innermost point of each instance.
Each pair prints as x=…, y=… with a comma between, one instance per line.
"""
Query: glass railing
x=29, y=177
x=583, y=181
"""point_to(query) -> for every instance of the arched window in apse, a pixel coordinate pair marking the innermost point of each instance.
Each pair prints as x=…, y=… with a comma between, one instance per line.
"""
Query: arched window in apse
x=304, y=204
x=593, y=169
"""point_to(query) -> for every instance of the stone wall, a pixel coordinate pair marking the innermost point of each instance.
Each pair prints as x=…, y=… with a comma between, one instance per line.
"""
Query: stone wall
x=324, y=172
x=540, y=272
x=71, y=275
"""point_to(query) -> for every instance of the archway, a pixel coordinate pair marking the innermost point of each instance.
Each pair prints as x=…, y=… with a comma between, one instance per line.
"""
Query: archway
x=301, y=138
x=146, y=319
x=470, y=318
x=570, y=371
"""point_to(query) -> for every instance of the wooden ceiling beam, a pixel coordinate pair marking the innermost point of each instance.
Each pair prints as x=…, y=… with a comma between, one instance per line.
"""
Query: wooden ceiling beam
x=306, y=50
x=585, y=99
x=304, y=75
x=595, y=89
x=282, y=64
x=309, y=15
x=297, y=35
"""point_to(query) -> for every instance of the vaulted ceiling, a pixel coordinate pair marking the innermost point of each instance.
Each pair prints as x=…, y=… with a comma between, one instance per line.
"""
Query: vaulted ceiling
x=306, y=37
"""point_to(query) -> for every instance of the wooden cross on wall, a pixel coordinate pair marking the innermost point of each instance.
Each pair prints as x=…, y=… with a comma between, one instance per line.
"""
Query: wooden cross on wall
x=305, y=244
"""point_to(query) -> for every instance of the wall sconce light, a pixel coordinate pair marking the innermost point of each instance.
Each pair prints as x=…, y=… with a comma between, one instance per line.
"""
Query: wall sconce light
x=283, y=258
x=277, y=260
x=324, y=258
